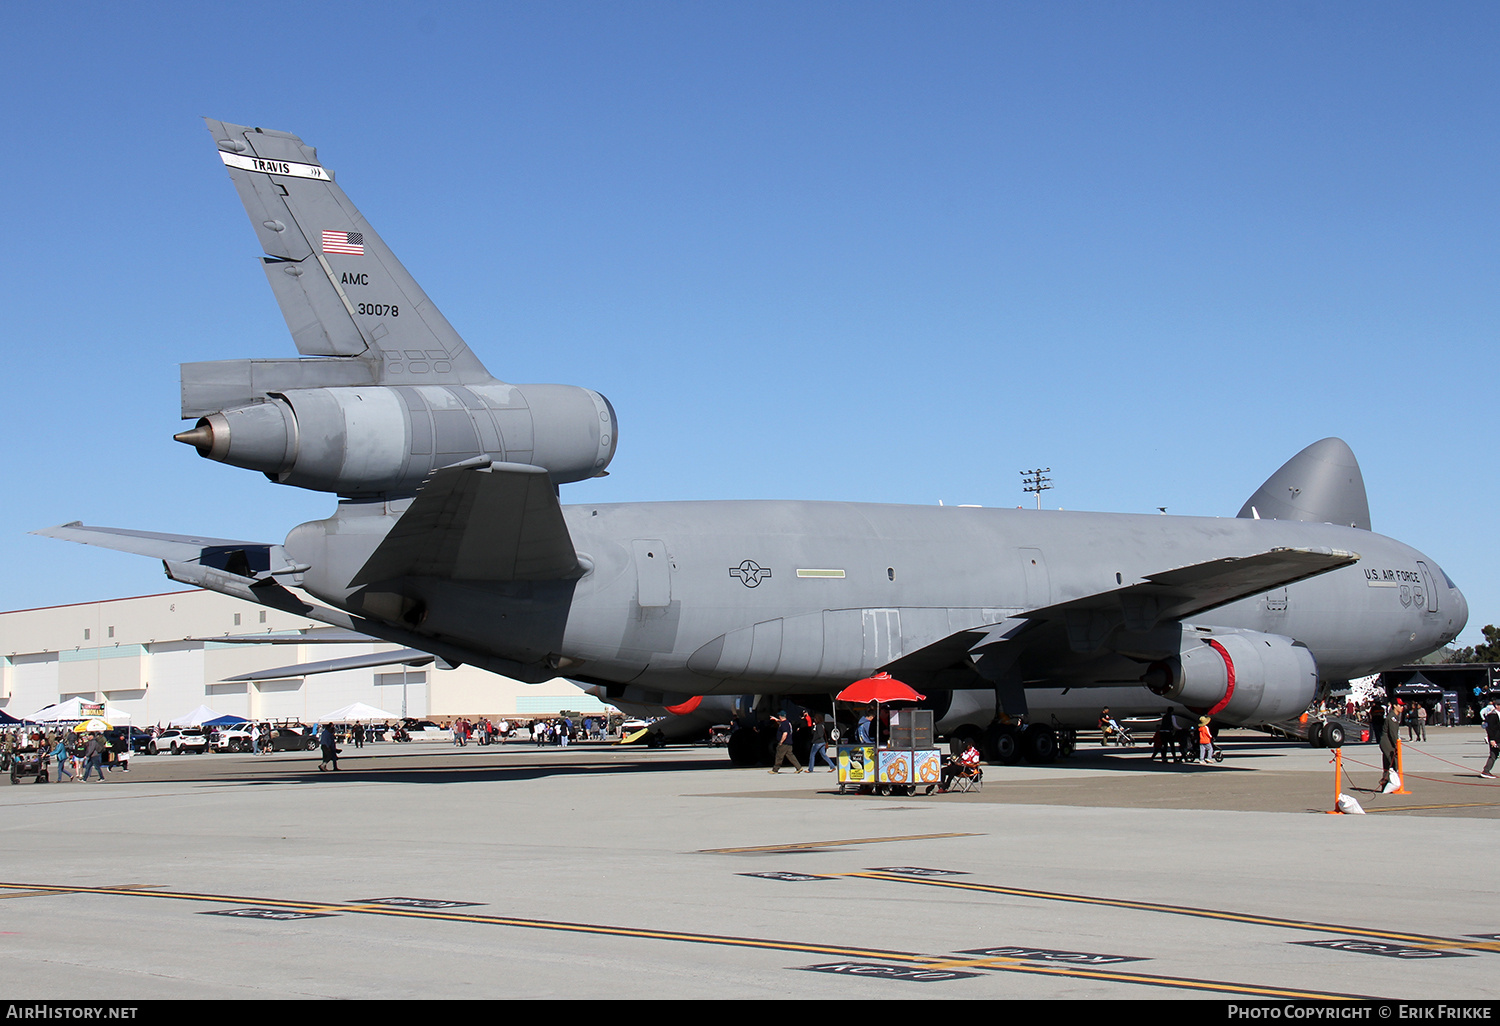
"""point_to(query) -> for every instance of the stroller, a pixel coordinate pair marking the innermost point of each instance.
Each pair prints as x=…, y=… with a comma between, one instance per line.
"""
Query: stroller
x=1112, y=732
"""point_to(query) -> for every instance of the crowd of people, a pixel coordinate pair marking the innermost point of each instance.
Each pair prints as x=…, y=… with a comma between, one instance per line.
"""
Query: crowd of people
x=63, y=753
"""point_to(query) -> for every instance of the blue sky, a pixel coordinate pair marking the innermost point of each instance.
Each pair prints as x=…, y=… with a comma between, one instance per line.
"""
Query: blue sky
x=893, y=252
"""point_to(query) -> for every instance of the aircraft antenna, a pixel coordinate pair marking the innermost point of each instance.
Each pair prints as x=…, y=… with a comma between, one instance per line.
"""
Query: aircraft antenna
x=1035, y=482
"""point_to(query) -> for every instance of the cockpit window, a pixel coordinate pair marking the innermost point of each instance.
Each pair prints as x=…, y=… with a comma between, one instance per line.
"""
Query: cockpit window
x=1446, y=579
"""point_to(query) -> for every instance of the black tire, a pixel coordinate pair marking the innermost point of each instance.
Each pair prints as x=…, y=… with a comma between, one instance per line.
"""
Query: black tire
x=1334, y=736
x=151, y=749
x=745, y=747
x=1315, y=735
x=312, y=746
x=1001, y=745
x=1039, y=743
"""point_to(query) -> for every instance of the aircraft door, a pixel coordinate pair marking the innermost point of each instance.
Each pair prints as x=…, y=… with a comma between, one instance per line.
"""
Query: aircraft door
x=1034, y=573
x=1429, y=586
x=653, y=573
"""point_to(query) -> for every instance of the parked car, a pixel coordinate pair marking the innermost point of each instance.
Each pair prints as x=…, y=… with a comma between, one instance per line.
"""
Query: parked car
x=140, y=738
x=426, y=730
x=230, y=739
x=299, y=738
x=1322, y=730
x=191, y=739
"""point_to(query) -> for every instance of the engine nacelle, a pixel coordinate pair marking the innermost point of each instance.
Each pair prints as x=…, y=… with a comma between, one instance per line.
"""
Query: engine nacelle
x=1236, y=676
x=373, y=439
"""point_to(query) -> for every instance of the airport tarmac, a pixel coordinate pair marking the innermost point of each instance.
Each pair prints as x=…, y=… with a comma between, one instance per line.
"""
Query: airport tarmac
x=425, y=871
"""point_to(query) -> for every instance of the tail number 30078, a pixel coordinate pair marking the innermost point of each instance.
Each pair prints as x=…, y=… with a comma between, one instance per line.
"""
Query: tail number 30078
x=379, y=309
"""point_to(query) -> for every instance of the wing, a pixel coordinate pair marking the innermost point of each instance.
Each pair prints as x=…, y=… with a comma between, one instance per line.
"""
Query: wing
x=341, y=290
x=1184, y=592
x=500, y=522
x=406, y=656
x=1039, y=643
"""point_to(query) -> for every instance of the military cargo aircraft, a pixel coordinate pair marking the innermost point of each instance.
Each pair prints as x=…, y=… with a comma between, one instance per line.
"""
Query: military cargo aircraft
x=449, y=536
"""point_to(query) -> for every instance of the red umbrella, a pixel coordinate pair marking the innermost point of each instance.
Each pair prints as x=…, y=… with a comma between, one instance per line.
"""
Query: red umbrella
x=880, y=688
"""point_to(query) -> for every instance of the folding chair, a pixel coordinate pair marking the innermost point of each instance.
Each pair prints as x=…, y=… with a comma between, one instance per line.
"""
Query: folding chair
x=966, y=780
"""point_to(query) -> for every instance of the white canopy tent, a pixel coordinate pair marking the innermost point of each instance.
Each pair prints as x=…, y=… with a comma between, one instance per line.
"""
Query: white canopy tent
x=358, y=713
x=72, y=711
x=196, y=718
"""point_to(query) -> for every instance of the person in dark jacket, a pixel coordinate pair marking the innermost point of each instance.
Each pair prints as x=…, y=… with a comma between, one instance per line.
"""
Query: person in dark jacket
x=1389, y=737
x=1490, y=715
x=330, y=747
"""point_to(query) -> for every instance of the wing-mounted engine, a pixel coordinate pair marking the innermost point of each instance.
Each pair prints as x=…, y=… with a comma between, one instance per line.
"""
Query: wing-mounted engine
x=1240, y=676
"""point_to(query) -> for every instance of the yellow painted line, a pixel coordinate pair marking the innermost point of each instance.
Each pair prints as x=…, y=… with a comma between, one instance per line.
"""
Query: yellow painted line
x=1414, y=939
x=805, y=845
x=1451, y=805
x=836, y=951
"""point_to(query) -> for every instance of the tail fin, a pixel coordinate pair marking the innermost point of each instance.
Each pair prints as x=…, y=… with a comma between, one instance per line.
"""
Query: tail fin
x=1321, y=484
x=340, y=289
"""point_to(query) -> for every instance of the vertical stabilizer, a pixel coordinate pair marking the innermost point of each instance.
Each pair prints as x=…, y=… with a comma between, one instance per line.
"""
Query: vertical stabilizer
x=342, y=291
x=1321, y=484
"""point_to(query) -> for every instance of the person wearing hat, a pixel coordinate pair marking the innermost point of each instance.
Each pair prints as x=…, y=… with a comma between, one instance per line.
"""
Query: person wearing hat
x=1205, y=739
x=783, y=728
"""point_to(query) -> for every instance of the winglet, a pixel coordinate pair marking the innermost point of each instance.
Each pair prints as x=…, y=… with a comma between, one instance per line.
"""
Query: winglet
x=1321, y=484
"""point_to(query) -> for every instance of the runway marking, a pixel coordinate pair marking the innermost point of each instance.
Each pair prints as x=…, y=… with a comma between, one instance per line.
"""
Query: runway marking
x=899, y=958
x=1450, y=805
x=811, y=845
x=1413, y=939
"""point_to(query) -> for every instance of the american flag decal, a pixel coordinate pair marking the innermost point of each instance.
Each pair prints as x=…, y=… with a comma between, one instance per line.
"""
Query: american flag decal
x=350, y=243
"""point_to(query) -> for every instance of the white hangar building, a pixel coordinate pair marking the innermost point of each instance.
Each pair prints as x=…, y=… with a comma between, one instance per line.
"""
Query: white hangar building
x=155, y=657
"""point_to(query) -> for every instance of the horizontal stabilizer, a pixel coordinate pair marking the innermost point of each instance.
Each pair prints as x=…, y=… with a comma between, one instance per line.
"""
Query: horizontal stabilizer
x=249, y=570
x=497, y=523
x=406, y=656
x=240, y=558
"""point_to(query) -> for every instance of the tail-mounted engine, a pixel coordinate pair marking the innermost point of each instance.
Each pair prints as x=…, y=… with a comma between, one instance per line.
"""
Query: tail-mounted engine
x=374, y=439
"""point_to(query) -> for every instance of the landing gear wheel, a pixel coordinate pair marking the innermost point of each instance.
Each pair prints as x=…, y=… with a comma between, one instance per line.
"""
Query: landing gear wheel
x=1333, y=737
x=1001, y=745
x=1039, y=743
x=744, y=747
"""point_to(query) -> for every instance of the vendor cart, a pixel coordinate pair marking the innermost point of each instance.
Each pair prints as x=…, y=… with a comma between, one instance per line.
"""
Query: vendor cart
x=903, y=763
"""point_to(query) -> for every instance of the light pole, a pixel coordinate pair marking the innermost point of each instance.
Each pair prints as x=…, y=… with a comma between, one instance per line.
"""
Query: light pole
x=1035, y=482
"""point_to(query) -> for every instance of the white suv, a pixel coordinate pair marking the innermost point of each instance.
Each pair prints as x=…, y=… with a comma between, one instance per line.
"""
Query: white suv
x=178, y=741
